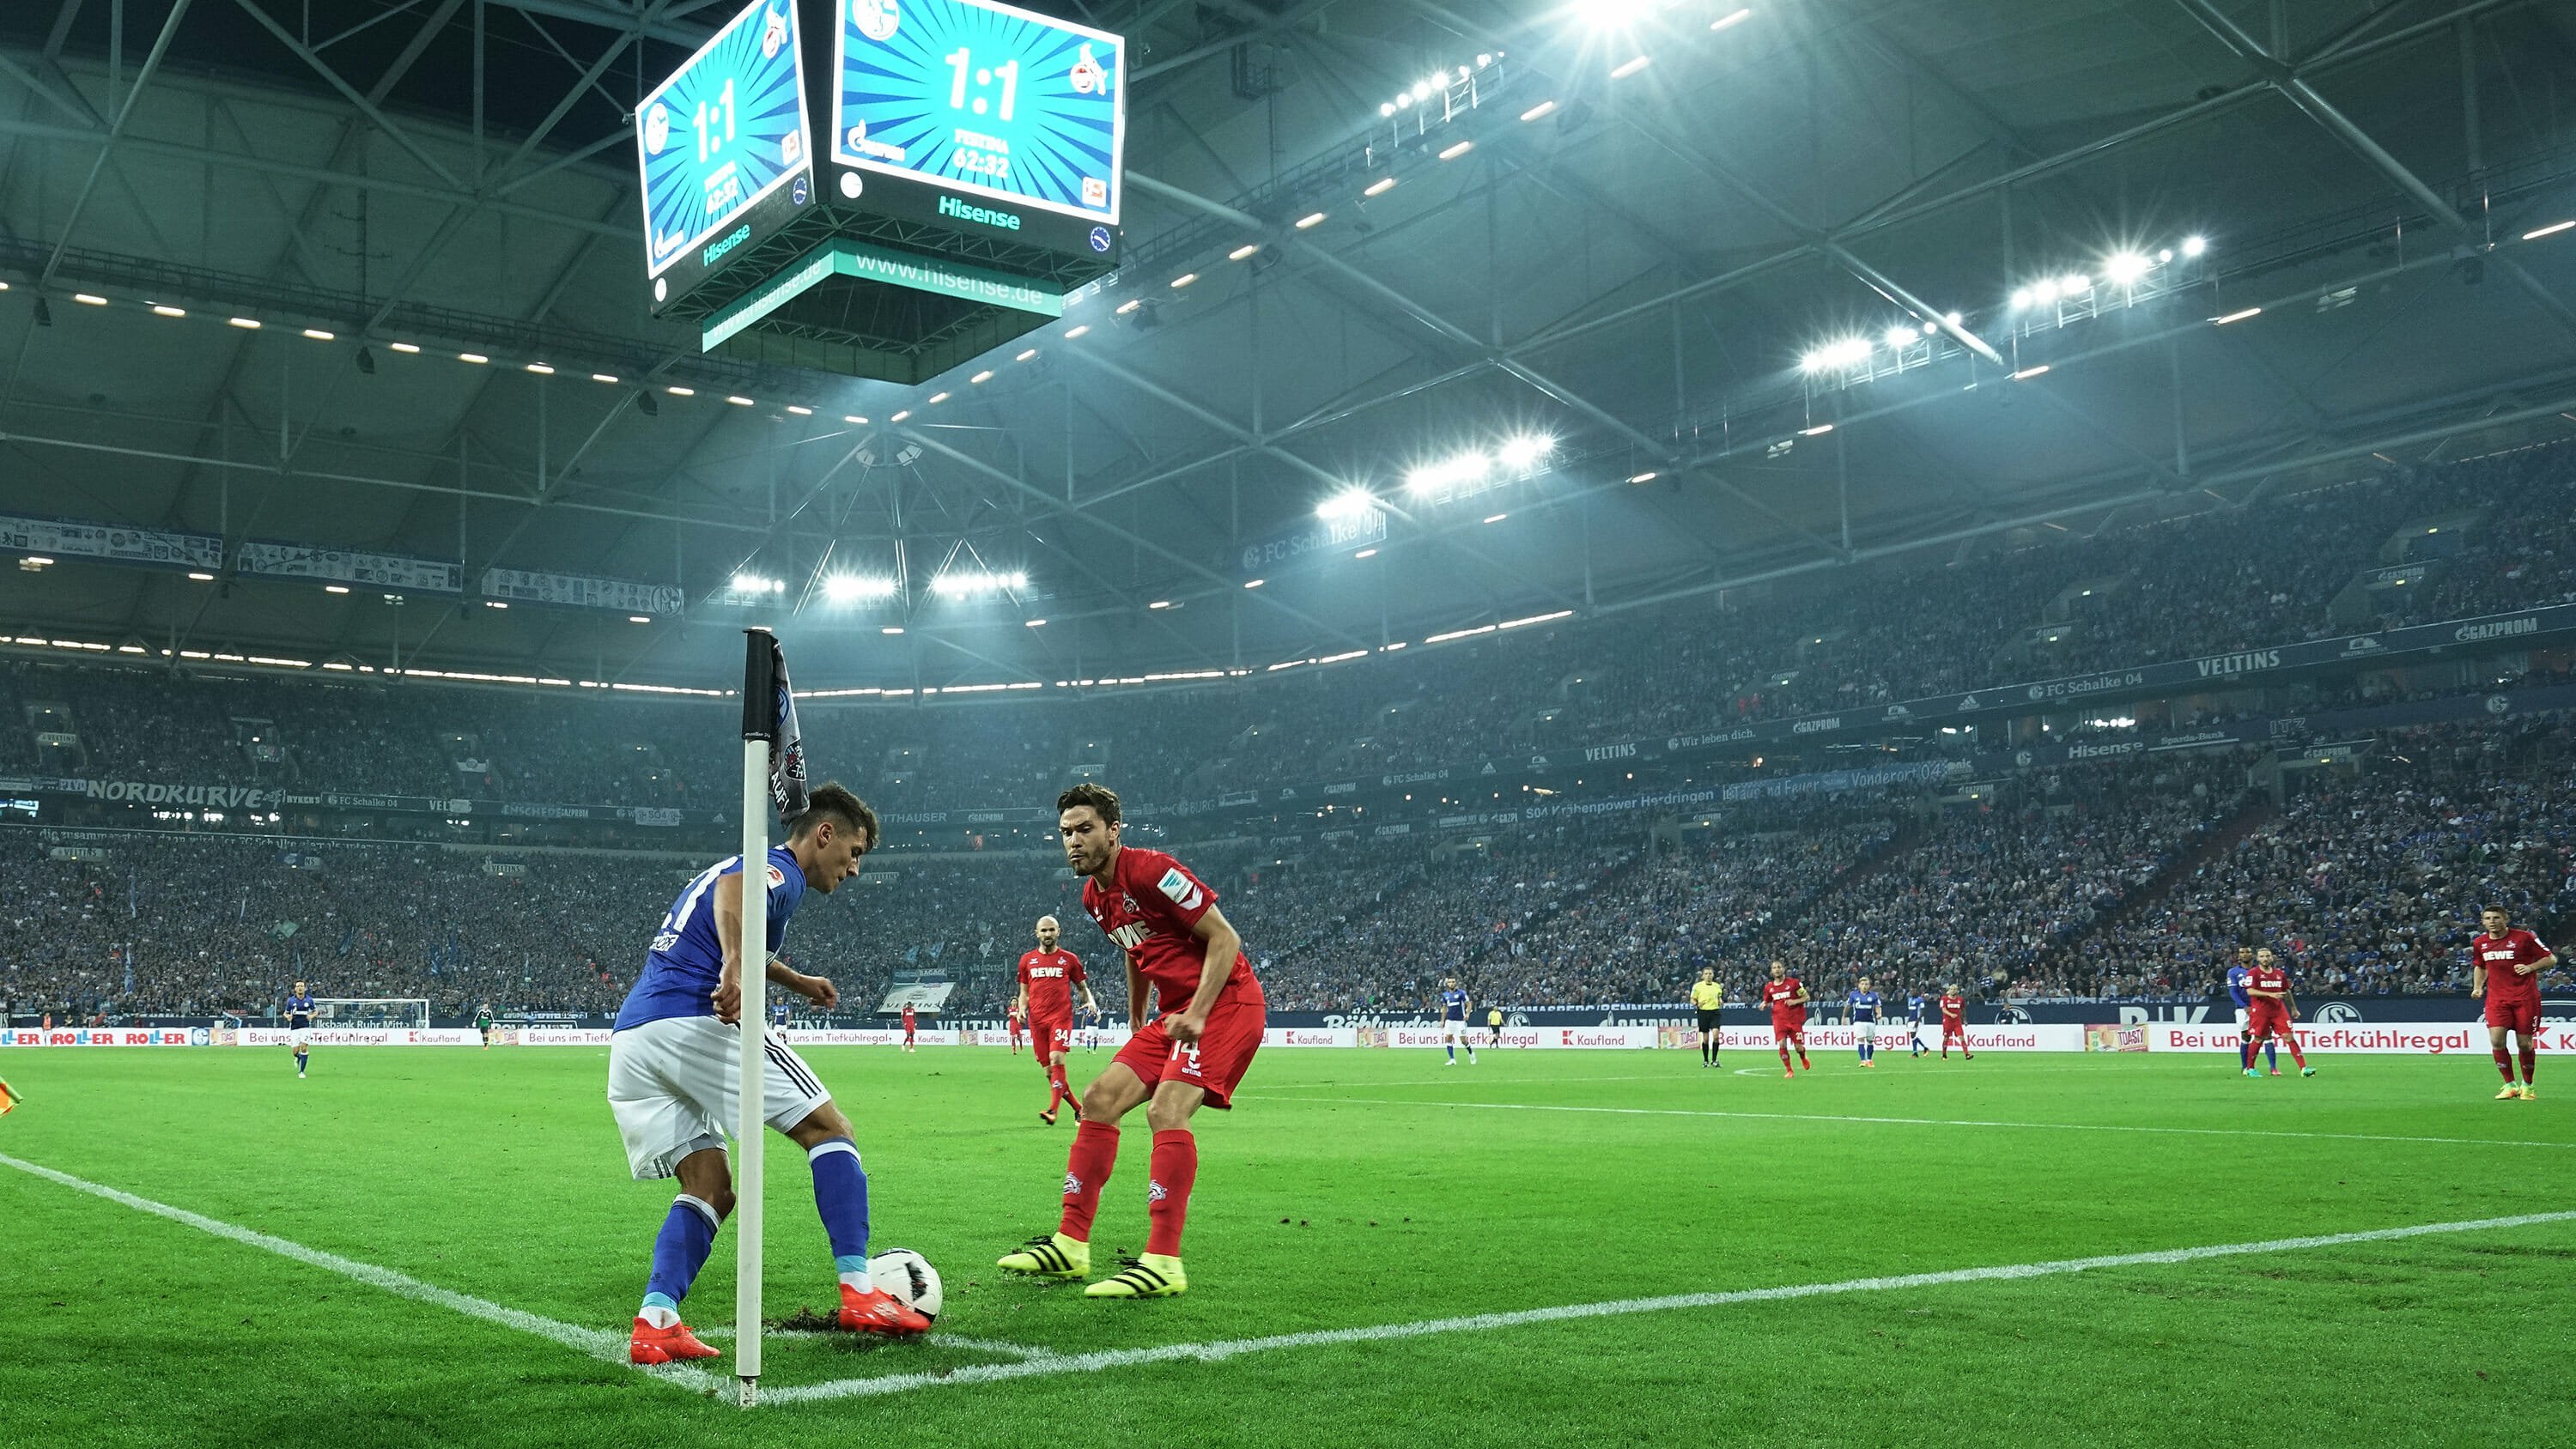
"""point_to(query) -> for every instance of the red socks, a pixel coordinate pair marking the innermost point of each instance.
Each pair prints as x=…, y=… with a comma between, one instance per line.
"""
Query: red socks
x=1167, y=1197
x=2504, y=1064
x=1057, y=1091
x=2296, y=1055
x=1784, y=1056
x=2528, y=1054
x=1086, y=1171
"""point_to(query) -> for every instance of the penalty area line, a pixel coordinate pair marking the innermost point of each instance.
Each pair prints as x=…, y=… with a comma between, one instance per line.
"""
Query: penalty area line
x=1222, y=1350
x=590, y=1342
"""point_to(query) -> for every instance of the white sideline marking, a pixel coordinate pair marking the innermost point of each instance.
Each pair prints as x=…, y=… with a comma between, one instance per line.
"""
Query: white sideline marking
x=592, y=1342
x=1941, y=1122
x=998, y=1347
x=1480, y=1322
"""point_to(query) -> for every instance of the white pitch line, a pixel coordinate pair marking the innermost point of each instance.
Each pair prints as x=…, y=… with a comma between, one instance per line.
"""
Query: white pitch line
x=1938, y=1122
x=593, y=1342
x=999, y=1347
x=1481, y=1322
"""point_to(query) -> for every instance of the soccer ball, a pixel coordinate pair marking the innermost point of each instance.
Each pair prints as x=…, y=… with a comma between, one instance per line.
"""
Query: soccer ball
x=907, y=1277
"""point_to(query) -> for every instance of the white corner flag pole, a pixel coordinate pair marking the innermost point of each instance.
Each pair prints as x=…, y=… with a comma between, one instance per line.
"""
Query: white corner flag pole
x=748, y=1136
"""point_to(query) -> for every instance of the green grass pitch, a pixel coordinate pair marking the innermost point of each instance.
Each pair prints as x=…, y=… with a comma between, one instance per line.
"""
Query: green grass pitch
x=1351, y=1189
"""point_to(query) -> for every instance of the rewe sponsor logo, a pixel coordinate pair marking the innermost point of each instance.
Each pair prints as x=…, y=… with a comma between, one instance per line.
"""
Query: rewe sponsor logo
x=2247, y=663
x=950, y=206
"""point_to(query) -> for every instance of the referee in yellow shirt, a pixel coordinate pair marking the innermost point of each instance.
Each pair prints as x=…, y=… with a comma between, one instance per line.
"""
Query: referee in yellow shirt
x=1708, y=996
x=1494, y=1025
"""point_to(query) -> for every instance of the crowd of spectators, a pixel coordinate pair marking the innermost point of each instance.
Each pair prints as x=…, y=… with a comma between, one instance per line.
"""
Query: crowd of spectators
x=2491, y=534
x=2372, y=884
x=2086, y=883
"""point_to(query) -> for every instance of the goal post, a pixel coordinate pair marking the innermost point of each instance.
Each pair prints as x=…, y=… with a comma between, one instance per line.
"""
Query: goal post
x=773, y=774
x=404, y=1012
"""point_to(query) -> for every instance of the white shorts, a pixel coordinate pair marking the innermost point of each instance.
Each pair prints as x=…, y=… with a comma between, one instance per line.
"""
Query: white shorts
x=1453, y=1031
x=2242, y=1017
x=297, y=1037
x=1866, y=1030
x=674, y=1083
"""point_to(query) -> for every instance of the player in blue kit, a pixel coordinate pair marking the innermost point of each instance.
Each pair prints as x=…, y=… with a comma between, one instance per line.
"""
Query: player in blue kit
x=1453, y=1021
x=2240, y=979
x=1914, y=1020
x=675, y=1073
x=1861, y=1005
x=299, y=1026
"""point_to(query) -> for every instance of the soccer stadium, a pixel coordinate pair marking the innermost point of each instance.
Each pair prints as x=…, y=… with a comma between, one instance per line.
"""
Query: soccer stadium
x=1624, y=722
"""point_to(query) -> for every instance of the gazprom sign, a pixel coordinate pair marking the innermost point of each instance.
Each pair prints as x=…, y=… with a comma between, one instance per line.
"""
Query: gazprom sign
x=1316, y=535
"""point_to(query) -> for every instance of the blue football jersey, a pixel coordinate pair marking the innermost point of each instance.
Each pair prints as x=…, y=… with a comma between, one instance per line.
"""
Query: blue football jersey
x=1863, y=1005
x=2237, y=977
x=686, y=961
x=1914, y=1009
x=299, y=1011
x=1453, y=1004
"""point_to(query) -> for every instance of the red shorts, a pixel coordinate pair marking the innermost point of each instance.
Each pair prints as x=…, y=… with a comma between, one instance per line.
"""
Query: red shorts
x=1046, y=1038
x=1958, y=1029
x=1218, y=1062
x=2514, y=1013
x=1785, y=1027
x=2264, y=1019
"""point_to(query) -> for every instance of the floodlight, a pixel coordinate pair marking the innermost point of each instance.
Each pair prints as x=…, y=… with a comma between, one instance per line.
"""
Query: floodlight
x=2125, y=268
x=2044, y=291
x=1526, y=450
x=2075, y=284
x=2023, y=297
x=1354, y=503
x=1900, y=338
x=2193, y=246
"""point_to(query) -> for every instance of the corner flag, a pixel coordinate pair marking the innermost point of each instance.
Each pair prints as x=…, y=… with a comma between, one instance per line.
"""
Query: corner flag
x=8, y=1099
x=769, y=713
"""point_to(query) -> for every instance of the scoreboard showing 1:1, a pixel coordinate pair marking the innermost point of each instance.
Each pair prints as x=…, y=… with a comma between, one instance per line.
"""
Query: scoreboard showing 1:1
x=985, y=99
x=725, y=132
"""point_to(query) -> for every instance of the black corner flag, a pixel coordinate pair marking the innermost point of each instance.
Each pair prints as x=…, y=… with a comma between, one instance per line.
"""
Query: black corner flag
x=769, y=713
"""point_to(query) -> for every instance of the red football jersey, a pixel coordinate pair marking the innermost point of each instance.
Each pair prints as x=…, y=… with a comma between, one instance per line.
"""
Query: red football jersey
x=1149, y=912
x=2500, y=954
x=1953, y=1008
x=1050, y=977
x=1782, y=995
x=2274, y=977
x=907, y=1018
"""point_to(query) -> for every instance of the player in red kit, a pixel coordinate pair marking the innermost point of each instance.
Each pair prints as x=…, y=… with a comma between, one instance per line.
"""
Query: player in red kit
x=1195, y=1052
x=1786, y=995
x=908, y=1026
x=1011, y=1024
x=1954, y=1024
x=2270, y=1012
x=2505, y=963
x=1047, y=978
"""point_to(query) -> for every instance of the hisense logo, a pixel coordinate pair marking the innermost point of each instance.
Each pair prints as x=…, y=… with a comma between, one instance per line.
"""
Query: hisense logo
x=727, y=243
x=950, y=206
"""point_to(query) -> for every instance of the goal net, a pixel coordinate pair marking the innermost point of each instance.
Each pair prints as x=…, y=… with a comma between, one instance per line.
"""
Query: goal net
x=394, y=1011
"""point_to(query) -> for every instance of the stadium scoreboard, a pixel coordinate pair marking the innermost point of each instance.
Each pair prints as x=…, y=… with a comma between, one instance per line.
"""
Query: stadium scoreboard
x=883, y=188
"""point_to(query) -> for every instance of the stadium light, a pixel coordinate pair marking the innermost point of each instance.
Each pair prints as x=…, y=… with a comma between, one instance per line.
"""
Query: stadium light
x=1453, y=152
x=89, y=299
x=855, y=588
x=164, y=309
x=1183, y=280
x=1448, y=472
x=891, y=629
x=2125, y=268
x=410, y=347
x=1351, y=504
x=1543, y=108
x=2237, y=316
x=1631, y=66
x=2044, y=291
x=1074, y=332
x=2553, y=229
x=2028, y=373
x=1238, y=254
x=1310, y=220
x=2193, y=246
x=1837, y=355
x=1379, y=187
x=639, y=618
x=1649, y=476
x=1899, y=338
x=748, y=584
x=1254, y=583
x=1527, y=450
x=2074, y=284
x=477, y=358
x=247, y=324
x=1732, y=19
x=968, y=583
x=2022, y=298
x=1037, y=623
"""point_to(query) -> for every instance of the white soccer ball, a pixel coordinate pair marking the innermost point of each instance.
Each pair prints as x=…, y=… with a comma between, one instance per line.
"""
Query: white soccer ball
x=908, y=1277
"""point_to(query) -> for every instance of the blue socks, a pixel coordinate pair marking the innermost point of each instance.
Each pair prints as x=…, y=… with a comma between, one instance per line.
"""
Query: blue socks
x=1453, y=1051
x=841, y=1198
x=680, y=1250
x=2271, y=1054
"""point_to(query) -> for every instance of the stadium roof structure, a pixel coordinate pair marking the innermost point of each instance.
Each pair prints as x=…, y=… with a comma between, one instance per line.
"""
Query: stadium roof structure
x=1610, y=303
